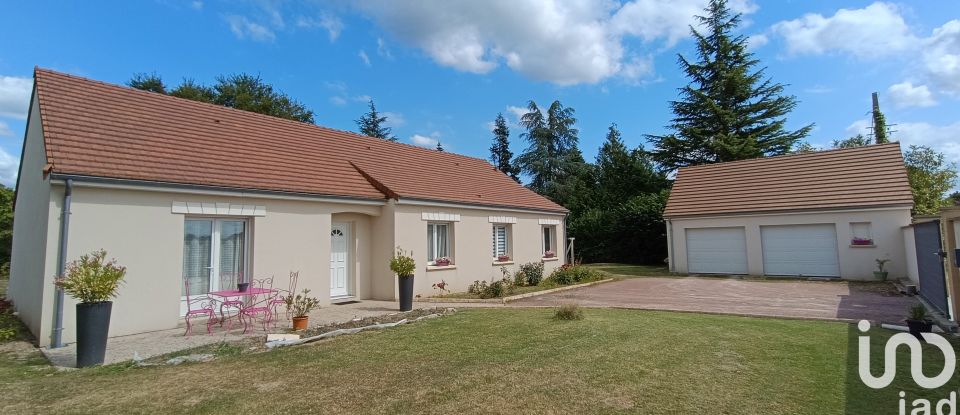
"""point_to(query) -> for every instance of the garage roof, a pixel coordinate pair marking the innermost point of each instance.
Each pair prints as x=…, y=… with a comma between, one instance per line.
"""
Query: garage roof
x=101, y=130
x=861, y=177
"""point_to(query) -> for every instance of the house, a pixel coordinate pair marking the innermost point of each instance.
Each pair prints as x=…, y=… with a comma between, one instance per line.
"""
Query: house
x=826, y=214
x=180, y=190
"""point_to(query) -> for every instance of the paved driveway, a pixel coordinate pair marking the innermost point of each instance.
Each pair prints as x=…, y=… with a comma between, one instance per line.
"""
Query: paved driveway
x=798, y=299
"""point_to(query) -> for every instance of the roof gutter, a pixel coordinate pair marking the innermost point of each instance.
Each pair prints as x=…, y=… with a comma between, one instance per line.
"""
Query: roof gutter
x=62, y=264
x=480, y=206
x=131, y=184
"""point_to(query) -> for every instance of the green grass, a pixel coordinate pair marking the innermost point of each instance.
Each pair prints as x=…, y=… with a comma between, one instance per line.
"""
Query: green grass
x=631, y=270
x=493, y=361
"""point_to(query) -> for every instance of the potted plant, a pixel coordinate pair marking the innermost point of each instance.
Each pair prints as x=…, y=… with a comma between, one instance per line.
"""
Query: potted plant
x=549, y=254
x=861, y=242
x=919, y=321
x=93, y=281
x=503, y=258
x=403, y=265
x=880, y=274
x=243, y=286
x=442, y=261
x=300, y=307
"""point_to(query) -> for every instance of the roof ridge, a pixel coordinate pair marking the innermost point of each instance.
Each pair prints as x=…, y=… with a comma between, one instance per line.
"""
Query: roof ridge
x=125, y=88
x=795, y=155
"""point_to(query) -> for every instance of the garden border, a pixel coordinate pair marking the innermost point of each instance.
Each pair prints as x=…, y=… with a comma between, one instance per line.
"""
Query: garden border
x=504, y=300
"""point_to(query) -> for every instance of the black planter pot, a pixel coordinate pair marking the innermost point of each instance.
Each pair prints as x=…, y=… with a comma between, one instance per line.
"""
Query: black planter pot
x=919, y=326
x=93, y=322
x=242, y=286
x=406, y=292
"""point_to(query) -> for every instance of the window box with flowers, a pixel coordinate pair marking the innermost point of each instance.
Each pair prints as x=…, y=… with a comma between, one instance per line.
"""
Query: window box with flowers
x=503, y=258
x=442, y=262
x=549, y=254
x=861, y=242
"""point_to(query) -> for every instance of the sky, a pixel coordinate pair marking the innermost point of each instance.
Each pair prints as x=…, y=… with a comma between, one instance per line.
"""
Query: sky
x=442, y=70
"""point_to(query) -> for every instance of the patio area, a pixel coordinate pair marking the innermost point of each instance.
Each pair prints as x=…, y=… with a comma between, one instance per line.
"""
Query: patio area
x=156, y=343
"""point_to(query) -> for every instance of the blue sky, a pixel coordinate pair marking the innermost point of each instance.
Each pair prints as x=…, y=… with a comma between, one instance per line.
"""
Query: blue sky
x=442, y=70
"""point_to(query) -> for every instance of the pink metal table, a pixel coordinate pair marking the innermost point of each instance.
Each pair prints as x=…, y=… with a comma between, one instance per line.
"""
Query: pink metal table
x=225, y=294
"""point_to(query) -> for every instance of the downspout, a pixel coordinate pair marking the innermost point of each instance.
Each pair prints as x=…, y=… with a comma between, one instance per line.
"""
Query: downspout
x=670, y=252
x=62, y=264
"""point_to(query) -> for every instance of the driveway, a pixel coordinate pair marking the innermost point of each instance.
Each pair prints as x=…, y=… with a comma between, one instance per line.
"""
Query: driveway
x=788, y=298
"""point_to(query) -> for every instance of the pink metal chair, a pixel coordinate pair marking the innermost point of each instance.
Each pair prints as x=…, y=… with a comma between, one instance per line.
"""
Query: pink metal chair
x=228, y=281
x=259, y=304
x=278, y=300
x=198, y=306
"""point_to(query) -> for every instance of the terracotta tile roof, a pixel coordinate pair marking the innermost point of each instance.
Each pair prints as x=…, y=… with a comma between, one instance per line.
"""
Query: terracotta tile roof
x=871, y=176
x=97, y=129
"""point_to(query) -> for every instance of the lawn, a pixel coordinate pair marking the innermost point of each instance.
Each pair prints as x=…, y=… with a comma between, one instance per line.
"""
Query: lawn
x=489, y=361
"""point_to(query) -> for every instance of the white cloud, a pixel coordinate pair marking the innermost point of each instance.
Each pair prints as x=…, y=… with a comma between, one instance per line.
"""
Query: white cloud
x=197, y=5
x=326, y=21
x=8, y=168
x=905, y=94
x=363, y=57
x=424, y=141
x=757, y=41
x=517, y=112
x=818, y=89
x=394, y=119
x=873, y=31
x=562, y=42
x=941, y=57
x=362, y=98
x=382, y=49
x=5, y=130
x=338, y=101
x=243, y=28
x=15, y=96
x=942, y=138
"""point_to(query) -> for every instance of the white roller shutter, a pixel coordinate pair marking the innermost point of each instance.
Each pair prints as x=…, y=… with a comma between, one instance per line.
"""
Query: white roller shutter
x=716, y=251
x=800, y=250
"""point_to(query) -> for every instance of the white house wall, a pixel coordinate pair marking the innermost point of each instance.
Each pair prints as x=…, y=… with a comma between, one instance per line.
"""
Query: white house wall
x=855, y=262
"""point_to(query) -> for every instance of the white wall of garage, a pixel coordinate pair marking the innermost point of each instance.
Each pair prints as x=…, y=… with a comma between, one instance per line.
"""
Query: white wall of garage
x=856, y=263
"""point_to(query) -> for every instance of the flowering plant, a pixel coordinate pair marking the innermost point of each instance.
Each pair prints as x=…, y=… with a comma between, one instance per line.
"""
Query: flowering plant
x=861, y=241
x=442, y=261
x=441, y=286
x=402, y=263
x=92, y=279
x=549, y=254
x=503, y=258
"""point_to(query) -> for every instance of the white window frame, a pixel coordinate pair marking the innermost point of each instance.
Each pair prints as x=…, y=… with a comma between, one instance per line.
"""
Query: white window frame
x=434, y=240
x=869, y=231
x=215, y=252
x=553, y=240
x=507, y=245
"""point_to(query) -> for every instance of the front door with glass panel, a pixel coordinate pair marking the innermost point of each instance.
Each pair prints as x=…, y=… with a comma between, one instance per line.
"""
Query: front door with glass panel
x=339, y=269
x=214, y=256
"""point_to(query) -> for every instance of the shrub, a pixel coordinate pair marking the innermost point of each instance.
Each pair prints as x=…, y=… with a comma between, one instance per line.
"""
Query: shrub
x=495, y=289
x=568, y=312
x=574, y=274
x=9, y=326
x=302, y=304
x=530, y=273
x=402, y=263
x=92, y=279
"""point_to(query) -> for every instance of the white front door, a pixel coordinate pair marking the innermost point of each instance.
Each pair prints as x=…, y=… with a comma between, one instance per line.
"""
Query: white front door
x=339, y=264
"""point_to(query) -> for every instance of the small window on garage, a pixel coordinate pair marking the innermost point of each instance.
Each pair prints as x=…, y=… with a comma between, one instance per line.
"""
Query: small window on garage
x=860, y=234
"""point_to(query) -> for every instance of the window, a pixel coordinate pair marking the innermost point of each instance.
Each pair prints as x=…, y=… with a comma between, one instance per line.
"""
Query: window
x=214, y=254
x=860, y=234
x=501, y=240
x=549, y=241
x=438, y=241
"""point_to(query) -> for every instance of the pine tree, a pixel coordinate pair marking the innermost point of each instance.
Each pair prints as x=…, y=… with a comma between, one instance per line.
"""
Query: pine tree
x=551, y=139
x=147, y=82
x=374, y=125
x=439, y=146
x=623, y=173
x=500, y=154
x=728, y=111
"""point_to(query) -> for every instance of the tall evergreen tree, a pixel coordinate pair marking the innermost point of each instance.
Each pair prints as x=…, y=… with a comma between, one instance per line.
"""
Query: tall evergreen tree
x=728, y=111
x=500, y=154
x=552, y=138
x=147, y=82
x=623, y=173
x=373, y=124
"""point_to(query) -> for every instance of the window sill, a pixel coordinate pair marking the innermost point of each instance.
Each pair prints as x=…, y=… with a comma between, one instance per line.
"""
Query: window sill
x=503, y=263
x=864, y=246
x=545, y=259
x=439, y=268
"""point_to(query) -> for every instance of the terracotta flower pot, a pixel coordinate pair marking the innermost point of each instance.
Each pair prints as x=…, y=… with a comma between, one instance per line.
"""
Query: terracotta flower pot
x=300, y=323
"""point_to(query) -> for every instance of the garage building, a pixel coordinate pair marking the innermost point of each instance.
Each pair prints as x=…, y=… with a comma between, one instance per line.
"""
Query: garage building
x=819, y=214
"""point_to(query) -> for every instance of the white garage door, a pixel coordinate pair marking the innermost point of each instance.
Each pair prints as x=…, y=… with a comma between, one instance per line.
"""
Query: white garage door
x=800, y=250
x=716, y=251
